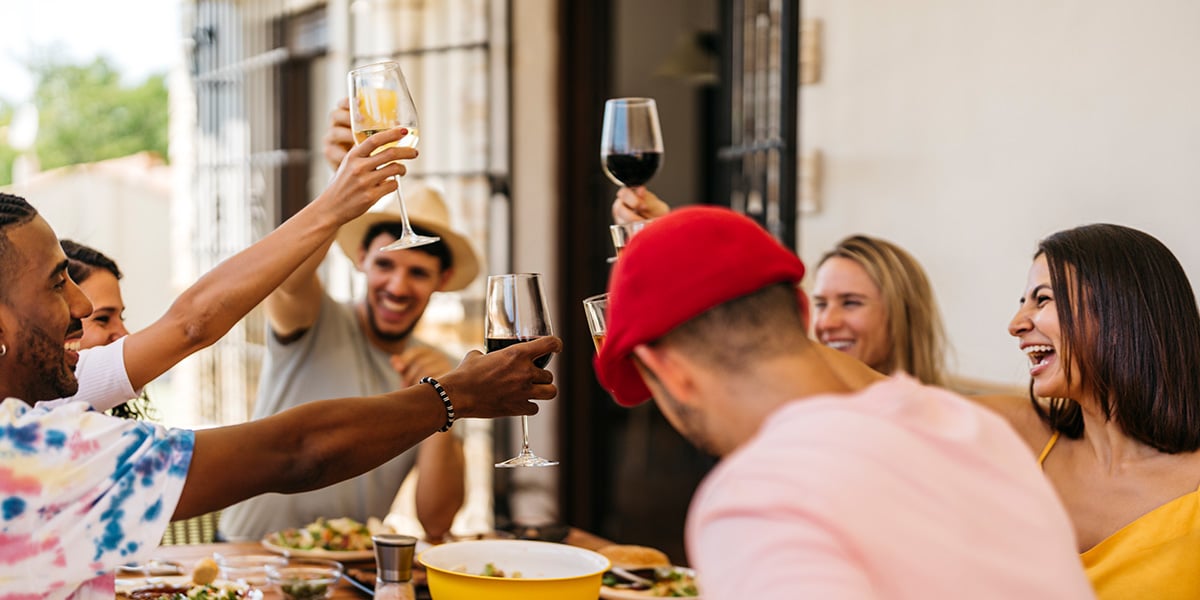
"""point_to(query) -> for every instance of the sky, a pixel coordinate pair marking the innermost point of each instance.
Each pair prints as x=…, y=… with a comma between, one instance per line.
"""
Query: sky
x=140, y=37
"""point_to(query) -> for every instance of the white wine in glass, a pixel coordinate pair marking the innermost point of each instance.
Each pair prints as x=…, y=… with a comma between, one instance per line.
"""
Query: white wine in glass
x=515, y=311
x=379, y=100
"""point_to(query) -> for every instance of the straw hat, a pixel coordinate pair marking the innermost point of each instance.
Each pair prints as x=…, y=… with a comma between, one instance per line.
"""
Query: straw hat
x=426, y=209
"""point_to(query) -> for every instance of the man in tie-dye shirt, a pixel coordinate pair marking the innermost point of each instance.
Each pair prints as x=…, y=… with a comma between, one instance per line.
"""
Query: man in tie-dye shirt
x=82, y=492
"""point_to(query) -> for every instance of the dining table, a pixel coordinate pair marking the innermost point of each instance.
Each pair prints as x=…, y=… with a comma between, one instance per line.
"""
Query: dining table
x=360, y=572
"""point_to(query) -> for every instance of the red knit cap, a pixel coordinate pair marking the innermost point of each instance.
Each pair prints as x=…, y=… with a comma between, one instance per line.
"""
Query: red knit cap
x=678, y=267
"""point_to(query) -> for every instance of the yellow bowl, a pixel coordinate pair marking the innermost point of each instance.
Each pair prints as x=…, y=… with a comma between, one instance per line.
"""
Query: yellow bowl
x=548, y=571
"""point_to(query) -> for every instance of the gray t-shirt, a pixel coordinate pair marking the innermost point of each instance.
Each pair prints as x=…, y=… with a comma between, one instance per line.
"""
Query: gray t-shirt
x=333, y=359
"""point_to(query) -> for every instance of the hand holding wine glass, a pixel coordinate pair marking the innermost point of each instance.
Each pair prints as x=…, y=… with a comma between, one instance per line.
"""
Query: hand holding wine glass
x=631, y=145
x=637, y=204
x=379, y=100
x=515, y=311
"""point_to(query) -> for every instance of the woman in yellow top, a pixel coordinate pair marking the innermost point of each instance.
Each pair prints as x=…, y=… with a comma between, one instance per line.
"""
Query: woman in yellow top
x=1112, y=331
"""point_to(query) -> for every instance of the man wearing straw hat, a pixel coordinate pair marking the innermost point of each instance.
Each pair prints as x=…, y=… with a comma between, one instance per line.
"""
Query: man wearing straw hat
x=321, y=348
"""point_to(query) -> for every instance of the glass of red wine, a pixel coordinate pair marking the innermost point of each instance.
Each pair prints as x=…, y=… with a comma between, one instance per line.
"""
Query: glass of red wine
x=631, y=146
x=515, y=312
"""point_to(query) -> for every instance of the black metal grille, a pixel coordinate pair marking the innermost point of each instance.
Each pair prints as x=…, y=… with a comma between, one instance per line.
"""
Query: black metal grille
x=759, y=106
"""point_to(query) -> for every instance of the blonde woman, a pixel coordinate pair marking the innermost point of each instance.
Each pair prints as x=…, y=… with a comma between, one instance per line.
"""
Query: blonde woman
x=873, y=301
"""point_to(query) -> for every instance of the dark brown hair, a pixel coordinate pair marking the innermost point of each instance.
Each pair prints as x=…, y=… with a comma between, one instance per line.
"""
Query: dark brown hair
x=1129, y=320
x=84, y=260
x=745, y=330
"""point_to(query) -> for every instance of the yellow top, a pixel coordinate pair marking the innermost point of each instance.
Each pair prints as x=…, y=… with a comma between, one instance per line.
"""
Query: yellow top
x=1156, y=556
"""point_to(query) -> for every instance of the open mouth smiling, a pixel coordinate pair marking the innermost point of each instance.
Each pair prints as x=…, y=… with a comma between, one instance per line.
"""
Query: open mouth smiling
x=1039, y=355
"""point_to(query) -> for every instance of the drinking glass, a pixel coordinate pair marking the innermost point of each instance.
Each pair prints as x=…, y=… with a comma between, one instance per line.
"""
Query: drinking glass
x=515, y=311
x=596, y=309
x=379, y=100
x=631, y=146
x=623, y=232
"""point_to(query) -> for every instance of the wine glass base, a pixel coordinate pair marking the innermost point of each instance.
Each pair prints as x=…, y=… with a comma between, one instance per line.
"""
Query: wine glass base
x=411, y=241
x=527, y=459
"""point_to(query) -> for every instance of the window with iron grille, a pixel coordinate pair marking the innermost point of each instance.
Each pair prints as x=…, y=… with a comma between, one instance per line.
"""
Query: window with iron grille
x=264, y=75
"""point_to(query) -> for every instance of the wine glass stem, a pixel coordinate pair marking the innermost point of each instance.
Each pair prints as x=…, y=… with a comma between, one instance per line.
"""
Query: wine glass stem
x=408, y=231
x=525, y=435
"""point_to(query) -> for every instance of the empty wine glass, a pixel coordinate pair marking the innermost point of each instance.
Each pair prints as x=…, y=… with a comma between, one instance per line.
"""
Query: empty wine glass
x=515, y=312
x=631, y=145
x=379, y=100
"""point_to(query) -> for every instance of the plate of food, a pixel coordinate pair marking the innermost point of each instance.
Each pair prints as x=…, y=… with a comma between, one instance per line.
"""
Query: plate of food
x=640, y=572
x=202, y=584
x=342, y=539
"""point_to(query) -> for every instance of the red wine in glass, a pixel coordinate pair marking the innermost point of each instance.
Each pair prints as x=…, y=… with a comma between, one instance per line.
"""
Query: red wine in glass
x=634, y=169
x=494, y=344
x=515, y=311
x=631, y=146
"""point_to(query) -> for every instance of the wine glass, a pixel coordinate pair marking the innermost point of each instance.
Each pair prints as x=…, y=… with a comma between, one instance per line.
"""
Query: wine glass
x=379, y=100
x=631, y=146
x=516, y=312
x=596, y=310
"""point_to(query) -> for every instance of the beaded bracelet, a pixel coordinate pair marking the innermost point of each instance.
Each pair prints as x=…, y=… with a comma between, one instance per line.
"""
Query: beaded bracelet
x=441, y=391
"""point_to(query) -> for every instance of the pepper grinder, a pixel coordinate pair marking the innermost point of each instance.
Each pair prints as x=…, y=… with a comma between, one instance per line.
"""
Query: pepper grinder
x=393, y=562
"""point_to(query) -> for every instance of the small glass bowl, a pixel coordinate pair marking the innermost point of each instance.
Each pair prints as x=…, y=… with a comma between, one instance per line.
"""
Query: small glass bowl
x=305, y=579
x=248, y=568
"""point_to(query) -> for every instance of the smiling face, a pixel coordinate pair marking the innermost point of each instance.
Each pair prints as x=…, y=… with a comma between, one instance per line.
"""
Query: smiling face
x=1036, y=327
x=399, y=285
x=849, y=313
x=39, y=311
x=106, y=324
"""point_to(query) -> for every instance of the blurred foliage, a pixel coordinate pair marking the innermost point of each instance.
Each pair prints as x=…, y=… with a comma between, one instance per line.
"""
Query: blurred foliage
x=86, y=114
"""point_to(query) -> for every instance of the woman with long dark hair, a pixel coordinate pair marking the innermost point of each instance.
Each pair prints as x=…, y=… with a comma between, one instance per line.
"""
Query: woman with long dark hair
x=99, y=278
x=1111, y=327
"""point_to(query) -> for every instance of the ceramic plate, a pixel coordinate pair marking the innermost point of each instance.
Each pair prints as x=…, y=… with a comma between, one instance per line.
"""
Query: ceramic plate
x=125, y=585
x=338, y=555
x=608, y=593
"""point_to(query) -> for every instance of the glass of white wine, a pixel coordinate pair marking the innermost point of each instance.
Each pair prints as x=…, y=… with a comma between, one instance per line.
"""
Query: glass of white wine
x=379, y=100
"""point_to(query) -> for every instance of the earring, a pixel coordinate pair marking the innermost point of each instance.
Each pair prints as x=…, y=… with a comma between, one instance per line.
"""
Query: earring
x=3, y=349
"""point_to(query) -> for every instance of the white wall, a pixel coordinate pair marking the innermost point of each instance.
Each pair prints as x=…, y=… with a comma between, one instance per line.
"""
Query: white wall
x=118, y=207
x=534, y=218
x=966, y=131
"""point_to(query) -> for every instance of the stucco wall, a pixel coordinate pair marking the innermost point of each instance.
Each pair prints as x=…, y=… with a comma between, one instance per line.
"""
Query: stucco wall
x=966, y=131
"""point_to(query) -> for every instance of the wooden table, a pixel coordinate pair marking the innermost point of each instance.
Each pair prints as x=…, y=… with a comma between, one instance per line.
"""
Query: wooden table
x=189, y=555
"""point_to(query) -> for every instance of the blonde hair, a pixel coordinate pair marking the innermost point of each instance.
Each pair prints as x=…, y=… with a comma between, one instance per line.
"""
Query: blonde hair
x=914, y=323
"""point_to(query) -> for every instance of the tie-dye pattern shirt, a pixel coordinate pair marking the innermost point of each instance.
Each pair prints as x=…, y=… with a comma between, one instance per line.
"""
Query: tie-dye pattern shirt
x=80, y=493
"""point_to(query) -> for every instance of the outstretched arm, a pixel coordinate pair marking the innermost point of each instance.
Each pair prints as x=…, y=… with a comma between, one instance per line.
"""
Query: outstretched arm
x=321, y=443
x=218, y=300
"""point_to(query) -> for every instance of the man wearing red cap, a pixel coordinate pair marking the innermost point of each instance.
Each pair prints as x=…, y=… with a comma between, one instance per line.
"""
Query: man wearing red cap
x=828, y=487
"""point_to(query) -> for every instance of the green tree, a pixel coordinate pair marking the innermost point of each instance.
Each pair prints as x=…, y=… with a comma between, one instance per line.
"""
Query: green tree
x=86, y=114
x=7, y=154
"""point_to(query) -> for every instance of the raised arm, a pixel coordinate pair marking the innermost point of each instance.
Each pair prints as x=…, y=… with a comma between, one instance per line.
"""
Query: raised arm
x=320, y=443
x=218, y=300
